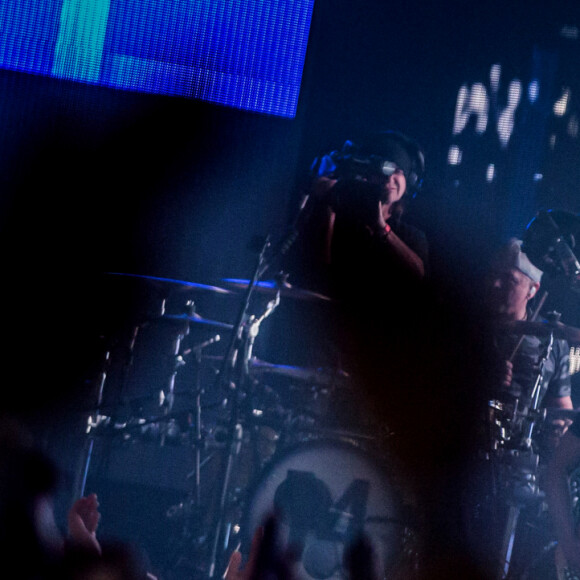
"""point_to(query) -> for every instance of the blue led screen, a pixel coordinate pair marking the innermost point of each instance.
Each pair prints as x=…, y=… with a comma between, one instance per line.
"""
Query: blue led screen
x=247, y=54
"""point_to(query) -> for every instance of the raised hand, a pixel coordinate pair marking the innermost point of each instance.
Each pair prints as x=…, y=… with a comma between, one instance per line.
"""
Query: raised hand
x=83, y=520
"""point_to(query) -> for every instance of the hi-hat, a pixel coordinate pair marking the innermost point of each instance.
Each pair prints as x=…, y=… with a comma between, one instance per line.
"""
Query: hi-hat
x=272, y=286
x=543, y=328
x=174, y=285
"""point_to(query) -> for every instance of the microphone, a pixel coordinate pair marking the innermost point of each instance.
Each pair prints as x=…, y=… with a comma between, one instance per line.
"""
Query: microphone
x=199, y=347
x=295, y=228
x=294, y=232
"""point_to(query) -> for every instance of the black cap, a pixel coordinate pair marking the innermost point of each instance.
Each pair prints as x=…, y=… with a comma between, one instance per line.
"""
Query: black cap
x=389, y=147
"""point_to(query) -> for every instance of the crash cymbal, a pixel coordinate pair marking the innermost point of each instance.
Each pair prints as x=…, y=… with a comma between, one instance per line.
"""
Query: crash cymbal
x=272, y=286
x=320, y=376
x=544, y=328
x=174, y=285
x=197, y=319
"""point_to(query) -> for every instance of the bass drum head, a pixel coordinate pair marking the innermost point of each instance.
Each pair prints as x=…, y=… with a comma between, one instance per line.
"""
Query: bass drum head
x=327, y=495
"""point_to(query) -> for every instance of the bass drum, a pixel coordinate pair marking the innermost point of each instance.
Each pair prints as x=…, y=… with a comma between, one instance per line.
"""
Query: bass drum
x=326, y=494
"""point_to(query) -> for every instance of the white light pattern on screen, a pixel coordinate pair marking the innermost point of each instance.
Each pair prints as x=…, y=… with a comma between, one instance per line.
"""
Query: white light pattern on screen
x=454, y=155
x=471, y=101
x=490, y=174
x=494, y=77
x=474, y=101
x=480, y=104
x=505, y=122
x=561, y=104
x=574, y=360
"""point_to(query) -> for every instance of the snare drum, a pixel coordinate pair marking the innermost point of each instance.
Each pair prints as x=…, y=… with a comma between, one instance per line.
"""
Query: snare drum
x=326, y=493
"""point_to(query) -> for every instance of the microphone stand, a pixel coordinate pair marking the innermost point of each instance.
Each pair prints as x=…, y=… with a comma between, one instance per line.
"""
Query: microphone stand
x=226, y=377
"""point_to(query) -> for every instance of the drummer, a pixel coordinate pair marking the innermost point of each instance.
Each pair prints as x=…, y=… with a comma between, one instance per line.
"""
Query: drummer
x=512, y=284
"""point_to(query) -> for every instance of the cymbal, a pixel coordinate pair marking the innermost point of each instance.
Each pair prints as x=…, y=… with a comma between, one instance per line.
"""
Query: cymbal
x=326, y=377
x=320, y=376
x=543, y=328
x=176, y=285
x=272, y=286
x=197, y=319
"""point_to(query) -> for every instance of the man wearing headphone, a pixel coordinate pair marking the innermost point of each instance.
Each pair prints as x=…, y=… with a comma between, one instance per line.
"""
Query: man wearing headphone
x=359, y=193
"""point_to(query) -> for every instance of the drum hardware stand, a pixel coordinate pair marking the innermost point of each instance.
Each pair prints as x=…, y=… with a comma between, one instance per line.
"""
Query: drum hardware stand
x=530, y=490
x=193, y=504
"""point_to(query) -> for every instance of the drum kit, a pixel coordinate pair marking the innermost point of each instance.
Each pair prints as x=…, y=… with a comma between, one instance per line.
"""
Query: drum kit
x=271, y=439
x=520, y=433
x=263, y=438
x=521, y=436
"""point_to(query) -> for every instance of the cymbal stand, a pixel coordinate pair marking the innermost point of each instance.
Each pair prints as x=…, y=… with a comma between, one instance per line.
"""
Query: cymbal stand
x=93, y=421
x=197, y=350
x=167, y=397
x=231, y=376
x=535, y=407
x=193, y=504
x=532, y=318
x=95, y=418
x=525, y=463
x=254, y=327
